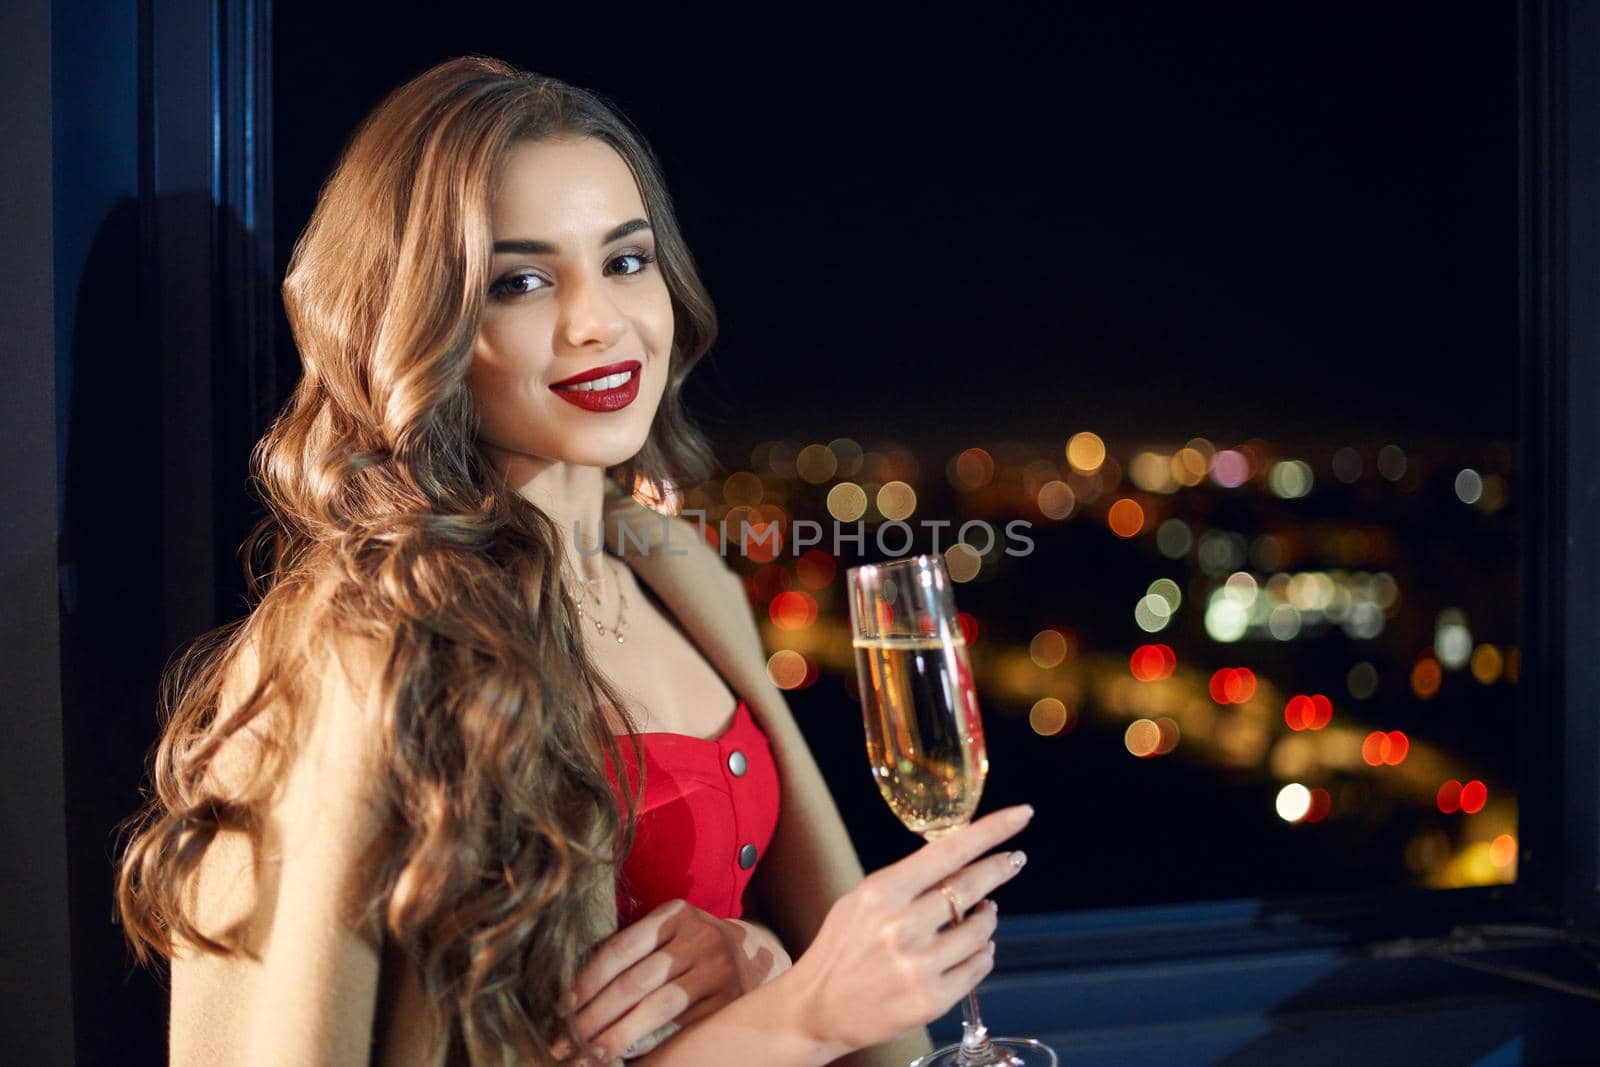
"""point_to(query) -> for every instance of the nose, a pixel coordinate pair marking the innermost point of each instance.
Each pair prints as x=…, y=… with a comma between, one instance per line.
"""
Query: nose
x=589, y=317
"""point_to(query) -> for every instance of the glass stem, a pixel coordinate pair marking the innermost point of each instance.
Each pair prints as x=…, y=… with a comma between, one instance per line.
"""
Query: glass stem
x=975, y=1048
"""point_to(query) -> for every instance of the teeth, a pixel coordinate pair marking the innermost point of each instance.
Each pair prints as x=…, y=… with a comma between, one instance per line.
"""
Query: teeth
x=610, y=381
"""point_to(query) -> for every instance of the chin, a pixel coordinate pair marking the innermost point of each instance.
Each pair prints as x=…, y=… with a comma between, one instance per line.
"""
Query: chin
x=607, y=457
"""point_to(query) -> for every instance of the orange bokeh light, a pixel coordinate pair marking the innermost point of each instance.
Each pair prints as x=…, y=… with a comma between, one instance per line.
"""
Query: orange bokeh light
x=761, y=530
x=1142, y=738
x=788, y=669
x=1126, y=517
x=975, y=468
x=1426, y=677
x=1397, y=748
x=1374, y=748
x=1503, y=850
x=793, y=610
x=1052, y=647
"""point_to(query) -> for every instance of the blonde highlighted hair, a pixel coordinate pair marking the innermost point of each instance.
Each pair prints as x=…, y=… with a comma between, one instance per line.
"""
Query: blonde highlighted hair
x=386, y=523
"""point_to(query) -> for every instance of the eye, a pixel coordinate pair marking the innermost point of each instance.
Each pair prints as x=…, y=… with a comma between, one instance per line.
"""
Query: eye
x=519, y=284
x=642, y=259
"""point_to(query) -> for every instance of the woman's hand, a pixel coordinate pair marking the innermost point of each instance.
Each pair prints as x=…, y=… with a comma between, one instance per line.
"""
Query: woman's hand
x=674, y=965
x=887, y=957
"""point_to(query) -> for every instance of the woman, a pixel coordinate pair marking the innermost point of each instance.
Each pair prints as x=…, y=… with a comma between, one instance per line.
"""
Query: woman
x=396, y=813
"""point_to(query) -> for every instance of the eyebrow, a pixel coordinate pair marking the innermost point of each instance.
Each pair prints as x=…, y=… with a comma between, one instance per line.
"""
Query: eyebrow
x=545, y=248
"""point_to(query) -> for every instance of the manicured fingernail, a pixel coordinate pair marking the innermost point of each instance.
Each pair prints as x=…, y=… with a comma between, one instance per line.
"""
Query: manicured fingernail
x=561, y=1049
x=989, y=948
x=1024, y=813
x=1018, y=858
x=993, y=907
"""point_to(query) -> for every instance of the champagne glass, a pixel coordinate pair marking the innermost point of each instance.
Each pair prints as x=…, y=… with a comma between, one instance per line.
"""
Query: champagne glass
x=925, y=737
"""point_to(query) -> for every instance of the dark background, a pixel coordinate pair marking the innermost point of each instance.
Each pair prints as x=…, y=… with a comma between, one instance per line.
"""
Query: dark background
x=1271, y=221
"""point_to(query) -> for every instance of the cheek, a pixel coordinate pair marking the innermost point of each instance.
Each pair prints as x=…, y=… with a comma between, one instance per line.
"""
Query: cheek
x=486, y=378
x=656, y=321
x=494, y=379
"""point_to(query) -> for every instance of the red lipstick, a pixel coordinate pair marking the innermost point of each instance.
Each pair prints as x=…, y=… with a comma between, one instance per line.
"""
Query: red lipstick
x=613, y=398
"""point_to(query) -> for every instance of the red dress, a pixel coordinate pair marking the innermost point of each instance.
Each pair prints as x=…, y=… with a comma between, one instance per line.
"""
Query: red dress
x=709, y=809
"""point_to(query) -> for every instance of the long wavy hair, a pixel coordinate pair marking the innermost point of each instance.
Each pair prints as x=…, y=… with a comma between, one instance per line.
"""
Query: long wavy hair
x=385, y=521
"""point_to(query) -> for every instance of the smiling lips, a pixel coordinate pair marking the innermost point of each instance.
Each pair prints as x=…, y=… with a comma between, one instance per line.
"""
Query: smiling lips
x=608, y=388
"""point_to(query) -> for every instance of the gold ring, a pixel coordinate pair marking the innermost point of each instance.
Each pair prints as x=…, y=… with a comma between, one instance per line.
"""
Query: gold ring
x=957, y=910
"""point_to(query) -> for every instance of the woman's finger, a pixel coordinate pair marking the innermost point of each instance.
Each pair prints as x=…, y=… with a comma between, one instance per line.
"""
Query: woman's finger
x=657, y=1009
x=959, y=942
x=717, y=998
x=634, y=986
x=625, y=948
x=937, y=860
x=971, y=884
x=959, y=980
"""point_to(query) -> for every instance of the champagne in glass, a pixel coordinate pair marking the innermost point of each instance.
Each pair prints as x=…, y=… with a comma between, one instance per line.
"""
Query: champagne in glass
x=925, y=737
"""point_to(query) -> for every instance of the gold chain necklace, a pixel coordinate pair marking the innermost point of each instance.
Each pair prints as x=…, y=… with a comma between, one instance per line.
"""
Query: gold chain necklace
x=600, y=628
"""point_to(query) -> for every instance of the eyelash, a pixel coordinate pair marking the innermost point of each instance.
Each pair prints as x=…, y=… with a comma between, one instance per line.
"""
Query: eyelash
x=501, y=289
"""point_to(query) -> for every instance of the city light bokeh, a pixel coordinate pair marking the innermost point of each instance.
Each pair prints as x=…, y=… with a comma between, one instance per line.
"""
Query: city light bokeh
x=1282, y=630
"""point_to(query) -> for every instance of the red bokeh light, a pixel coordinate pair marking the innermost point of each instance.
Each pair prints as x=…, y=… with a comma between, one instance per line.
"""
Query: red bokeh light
x=1449, y=798
x=815, y=568
x=1233, y=685
x=793, y=610
x=1398, y=747
x=1151, y=663
x=969, y=627
x=1375, y=749
x=1299, y=712
x=1474, y=795
x=1321, y=712
x=1321, y=802
x=1139, y=664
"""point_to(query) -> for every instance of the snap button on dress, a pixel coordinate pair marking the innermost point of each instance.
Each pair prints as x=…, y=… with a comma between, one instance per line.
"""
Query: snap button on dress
x=695, y=814
x=737, y=763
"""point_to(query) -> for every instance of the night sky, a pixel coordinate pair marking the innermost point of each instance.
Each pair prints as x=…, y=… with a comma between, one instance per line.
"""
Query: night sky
x=1168, y=222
